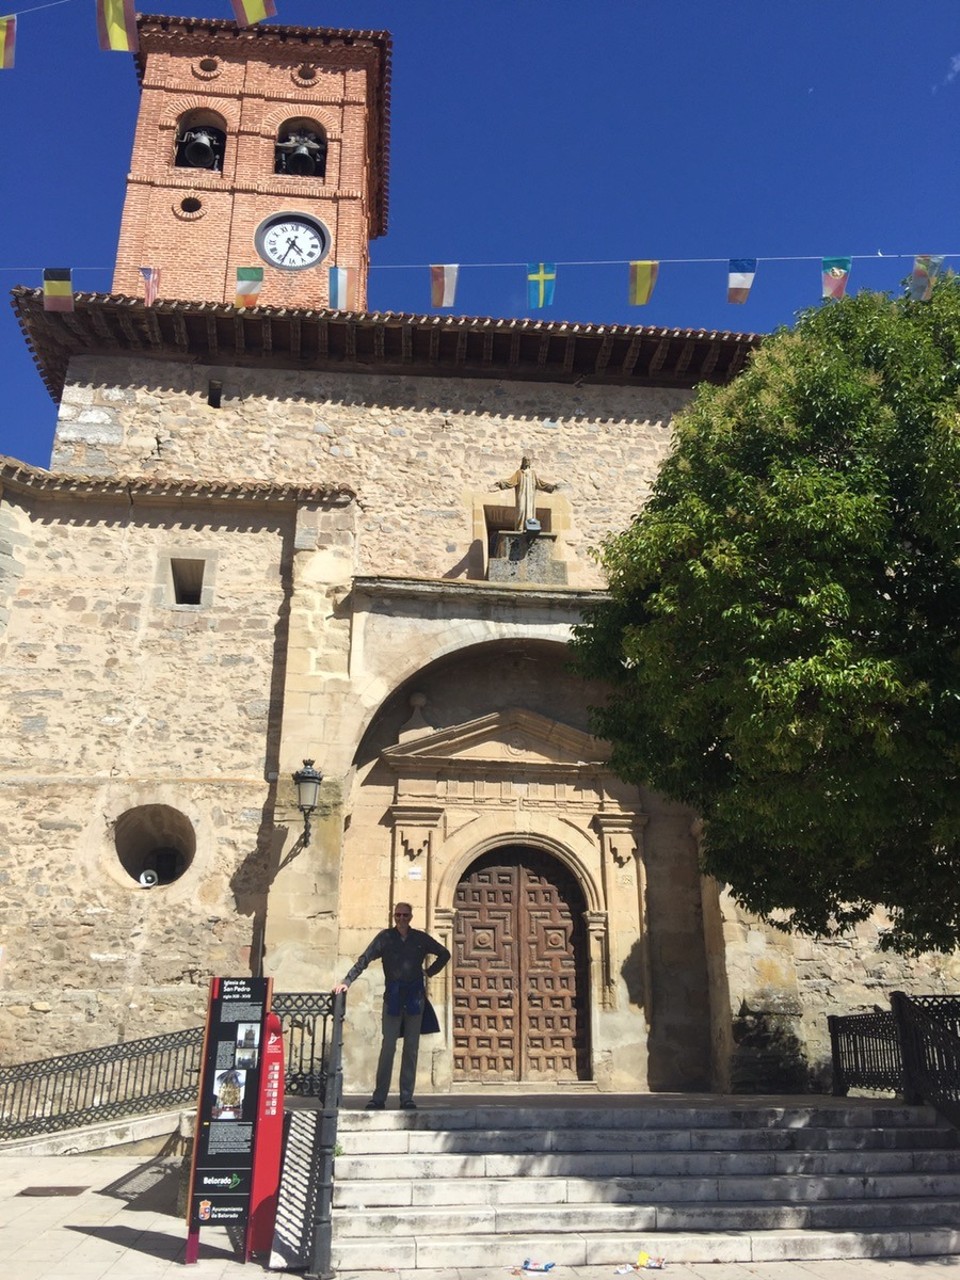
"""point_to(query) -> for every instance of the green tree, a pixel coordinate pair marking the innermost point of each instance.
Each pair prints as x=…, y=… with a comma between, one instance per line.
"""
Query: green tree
x=782, y=636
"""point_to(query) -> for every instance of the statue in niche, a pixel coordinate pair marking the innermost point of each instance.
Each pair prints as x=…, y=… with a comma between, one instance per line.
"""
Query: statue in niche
x=526, y=482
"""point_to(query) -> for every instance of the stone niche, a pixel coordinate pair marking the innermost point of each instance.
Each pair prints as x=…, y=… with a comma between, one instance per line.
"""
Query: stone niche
x=526, y=557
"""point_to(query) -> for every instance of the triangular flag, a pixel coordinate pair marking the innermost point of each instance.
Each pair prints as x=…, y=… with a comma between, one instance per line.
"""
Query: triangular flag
x=541, y=279
x=117, y=25
x=835, y=272
x=247, y=12
x=151, y=284
x=57, y=289
x=8, y=42
x=926, y=268
x=443, y=284
x=643, y=277
x=249, y=282
x=740, y=278
x=343, y=288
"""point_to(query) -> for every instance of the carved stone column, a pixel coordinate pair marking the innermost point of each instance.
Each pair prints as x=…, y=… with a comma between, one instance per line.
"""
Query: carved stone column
x=598, y=940
x=622, y=868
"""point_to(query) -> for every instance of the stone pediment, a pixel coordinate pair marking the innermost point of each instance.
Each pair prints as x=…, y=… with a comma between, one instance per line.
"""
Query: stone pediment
x=515, y=738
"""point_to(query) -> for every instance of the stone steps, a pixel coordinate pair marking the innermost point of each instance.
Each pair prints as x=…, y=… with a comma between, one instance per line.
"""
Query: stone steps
x=453, y=1186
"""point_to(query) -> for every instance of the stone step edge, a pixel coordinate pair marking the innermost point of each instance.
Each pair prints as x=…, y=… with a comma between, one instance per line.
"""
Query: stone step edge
x=884, y=1184
x=526, y=1118
x=613, y=1248
x=424, y=1217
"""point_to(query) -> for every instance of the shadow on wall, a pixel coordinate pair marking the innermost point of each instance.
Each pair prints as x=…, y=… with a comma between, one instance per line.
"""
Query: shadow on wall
x=769, y=1057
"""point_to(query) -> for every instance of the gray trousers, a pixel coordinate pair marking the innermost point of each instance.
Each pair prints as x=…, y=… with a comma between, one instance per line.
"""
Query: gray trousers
x=408, y=1026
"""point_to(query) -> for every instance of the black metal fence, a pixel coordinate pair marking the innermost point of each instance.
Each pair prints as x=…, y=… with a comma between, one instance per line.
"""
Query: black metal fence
x=866, y=1052
x=155, y=1074
x=914, y=1049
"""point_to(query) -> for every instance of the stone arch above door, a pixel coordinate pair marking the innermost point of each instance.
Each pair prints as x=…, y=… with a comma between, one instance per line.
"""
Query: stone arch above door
x=516, y=777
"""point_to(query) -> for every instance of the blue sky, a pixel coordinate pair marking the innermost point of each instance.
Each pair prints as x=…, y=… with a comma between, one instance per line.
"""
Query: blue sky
x=555, y=130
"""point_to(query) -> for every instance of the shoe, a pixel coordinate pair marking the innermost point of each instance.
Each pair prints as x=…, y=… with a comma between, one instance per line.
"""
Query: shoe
x=373, y=1105
x=408, y=1106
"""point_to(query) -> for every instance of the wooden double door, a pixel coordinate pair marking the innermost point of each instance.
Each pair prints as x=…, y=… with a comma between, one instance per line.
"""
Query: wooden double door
x=520, y=1009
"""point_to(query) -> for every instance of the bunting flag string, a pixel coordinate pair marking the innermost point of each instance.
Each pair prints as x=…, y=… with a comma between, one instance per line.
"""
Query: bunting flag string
x=541, y=278
x=8, y=42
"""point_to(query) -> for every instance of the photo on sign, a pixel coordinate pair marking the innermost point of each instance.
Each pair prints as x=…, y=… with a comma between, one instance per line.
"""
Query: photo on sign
x=228, y=1090
x=248, y=1039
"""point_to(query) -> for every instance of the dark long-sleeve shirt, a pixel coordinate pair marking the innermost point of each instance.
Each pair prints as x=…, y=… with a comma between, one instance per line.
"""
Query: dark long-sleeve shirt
x=402, y=957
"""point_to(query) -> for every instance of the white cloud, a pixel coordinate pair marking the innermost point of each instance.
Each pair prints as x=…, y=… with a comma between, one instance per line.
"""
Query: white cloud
x=954, y=68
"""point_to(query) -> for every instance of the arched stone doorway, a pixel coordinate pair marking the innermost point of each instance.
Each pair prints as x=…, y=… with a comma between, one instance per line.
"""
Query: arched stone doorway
x=520, y=970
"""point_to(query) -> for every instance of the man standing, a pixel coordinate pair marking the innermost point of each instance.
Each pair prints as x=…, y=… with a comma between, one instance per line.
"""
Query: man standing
x=402, y=951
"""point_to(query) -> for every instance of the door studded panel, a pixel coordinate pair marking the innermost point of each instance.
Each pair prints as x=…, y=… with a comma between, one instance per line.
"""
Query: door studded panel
x=519, y=971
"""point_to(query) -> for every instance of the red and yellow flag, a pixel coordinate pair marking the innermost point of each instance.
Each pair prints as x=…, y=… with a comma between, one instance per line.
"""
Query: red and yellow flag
x=117, y=25
x=8, y=41
x=247, y=12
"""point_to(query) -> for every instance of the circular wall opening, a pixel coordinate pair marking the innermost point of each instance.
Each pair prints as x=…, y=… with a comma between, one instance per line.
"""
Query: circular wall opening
x=155, y=844
x=209, y=64
x=306, y=72
x=190, y=205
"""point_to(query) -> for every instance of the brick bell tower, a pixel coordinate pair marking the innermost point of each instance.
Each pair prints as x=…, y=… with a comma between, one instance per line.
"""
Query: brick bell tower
x=255, y=146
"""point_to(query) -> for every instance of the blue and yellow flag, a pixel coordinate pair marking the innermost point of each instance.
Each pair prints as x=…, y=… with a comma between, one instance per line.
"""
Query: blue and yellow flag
x=541, y=278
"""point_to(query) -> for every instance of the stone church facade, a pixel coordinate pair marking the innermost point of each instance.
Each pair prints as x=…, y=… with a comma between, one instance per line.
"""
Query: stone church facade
x=281, y=534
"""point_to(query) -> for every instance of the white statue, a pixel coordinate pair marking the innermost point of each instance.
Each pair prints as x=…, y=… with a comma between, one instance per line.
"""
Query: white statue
x=527, y=483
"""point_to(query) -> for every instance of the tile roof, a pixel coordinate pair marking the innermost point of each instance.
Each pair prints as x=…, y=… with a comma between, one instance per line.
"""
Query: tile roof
x=22, y=477
x=375, y=342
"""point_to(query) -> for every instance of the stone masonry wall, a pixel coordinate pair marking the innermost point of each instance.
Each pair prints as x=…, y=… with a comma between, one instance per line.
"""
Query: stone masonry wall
x=423, y=454
x=114, y=699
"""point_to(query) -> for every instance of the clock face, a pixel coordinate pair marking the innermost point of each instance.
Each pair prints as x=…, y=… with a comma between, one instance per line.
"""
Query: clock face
x=292, y=241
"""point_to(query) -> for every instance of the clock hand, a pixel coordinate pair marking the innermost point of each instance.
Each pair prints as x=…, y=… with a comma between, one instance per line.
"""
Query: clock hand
x=291, y=244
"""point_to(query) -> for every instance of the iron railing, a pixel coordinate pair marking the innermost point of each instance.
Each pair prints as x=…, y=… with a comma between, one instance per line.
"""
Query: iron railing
x=914, y=1049
x=866, y=1052
x=154, y=1074
x=931, y=1050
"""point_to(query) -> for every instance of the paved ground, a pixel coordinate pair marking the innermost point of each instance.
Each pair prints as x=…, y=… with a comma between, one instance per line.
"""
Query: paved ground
x=122, y=1225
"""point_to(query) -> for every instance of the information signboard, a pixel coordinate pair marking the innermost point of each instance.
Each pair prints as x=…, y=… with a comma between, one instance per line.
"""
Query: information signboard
x=228, y=1106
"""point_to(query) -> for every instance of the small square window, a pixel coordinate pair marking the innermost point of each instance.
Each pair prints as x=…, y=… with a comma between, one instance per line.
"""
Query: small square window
x=187, y=578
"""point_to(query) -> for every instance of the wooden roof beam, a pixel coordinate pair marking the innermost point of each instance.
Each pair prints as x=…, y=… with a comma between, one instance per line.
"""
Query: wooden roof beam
x=659, y=357
x=686, y=355
x=603, y=355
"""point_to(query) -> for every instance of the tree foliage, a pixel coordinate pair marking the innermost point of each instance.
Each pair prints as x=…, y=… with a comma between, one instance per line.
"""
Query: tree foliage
x=783, y=630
